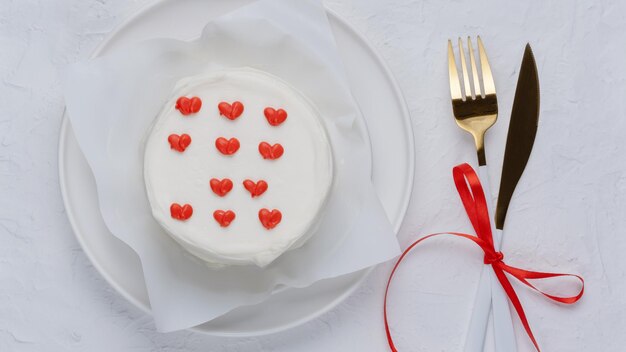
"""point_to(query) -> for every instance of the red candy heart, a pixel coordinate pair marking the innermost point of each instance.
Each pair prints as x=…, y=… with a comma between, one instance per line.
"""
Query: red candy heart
x=179, y=212
x=229, y=111
x=270, y=219
x=227, y=146
x=224, y=218
x=275, y=117
x=271, y=151
x=188, y=106
x=179, y=143
x=221, y=188
x=255, y=189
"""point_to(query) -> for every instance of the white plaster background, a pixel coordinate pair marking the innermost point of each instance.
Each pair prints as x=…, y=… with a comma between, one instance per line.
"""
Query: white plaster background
x=569, y=213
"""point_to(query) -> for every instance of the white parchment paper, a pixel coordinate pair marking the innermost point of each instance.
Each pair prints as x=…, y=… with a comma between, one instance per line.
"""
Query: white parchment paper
x=113, y=100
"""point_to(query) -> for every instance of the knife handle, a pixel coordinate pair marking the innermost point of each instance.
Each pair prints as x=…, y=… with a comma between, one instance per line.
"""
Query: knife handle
x=490, y=293
x=504, y=333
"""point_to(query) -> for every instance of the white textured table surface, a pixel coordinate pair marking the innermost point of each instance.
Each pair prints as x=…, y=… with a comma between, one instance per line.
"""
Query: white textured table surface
x=568, y=214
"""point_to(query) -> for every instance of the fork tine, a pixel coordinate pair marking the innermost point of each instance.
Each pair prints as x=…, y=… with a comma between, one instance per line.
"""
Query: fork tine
x=466, y=81
x=455, y=85
x=477, y=90
x=488, y=85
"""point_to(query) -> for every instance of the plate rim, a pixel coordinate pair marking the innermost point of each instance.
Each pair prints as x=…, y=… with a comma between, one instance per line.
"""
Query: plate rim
x=364, y=273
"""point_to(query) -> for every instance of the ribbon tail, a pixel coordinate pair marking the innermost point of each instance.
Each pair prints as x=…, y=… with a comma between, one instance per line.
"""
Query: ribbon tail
x=508, y=288
x=393, y=272
x=525, y=275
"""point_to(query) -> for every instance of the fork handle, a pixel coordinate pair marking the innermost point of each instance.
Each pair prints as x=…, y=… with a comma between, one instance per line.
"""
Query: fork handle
x=504, y=334
x=475, y=338
x=490, y=293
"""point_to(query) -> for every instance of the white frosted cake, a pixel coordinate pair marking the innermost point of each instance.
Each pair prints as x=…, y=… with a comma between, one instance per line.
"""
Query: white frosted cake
x=238, y=167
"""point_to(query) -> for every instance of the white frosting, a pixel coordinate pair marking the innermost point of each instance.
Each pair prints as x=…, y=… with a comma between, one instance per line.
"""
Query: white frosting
x=299, y=181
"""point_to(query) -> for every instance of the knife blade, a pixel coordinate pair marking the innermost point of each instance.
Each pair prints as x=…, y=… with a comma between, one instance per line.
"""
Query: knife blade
x=522, y=132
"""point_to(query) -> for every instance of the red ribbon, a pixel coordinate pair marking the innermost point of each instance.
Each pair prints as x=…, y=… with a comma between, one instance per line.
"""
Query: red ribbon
x=473, y=198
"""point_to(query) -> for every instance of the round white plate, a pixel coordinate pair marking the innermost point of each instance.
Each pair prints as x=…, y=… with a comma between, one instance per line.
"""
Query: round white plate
x=388, y=122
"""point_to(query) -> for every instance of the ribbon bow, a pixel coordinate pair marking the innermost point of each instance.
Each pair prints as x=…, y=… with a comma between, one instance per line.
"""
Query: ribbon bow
x=473, y=198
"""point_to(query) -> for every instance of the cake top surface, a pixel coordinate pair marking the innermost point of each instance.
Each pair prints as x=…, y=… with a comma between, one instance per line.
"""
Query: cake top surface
x=238, y=167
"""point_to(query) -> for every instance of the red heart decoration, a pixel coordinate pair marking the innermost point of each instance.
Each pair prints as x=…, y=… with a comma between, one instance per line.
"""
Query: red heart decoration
x=179, y=143
x=275, y=117
x=224, y=218
x=227, y=146
x=270, y=219
x=221, y=188
x=179, y=212
x=271, y=151
x=255, y=189
x=229, y=111
x=188, y=106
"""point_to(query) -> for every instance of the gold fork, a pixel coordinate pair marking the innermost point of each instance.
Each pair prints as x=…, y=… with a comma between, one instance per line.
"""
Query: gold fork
x=476, y=107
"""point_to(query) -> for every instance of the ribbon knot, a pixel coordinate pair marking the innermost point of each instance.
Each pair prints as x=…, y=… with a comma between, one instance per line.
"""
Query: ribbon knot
x=473, y=198
x=493, y=258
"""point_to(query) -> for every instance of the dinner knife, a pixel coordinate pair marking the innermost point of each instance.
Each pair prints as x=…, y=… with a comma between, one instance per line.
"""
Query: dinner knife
x=520, y=138
x=519, y=143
